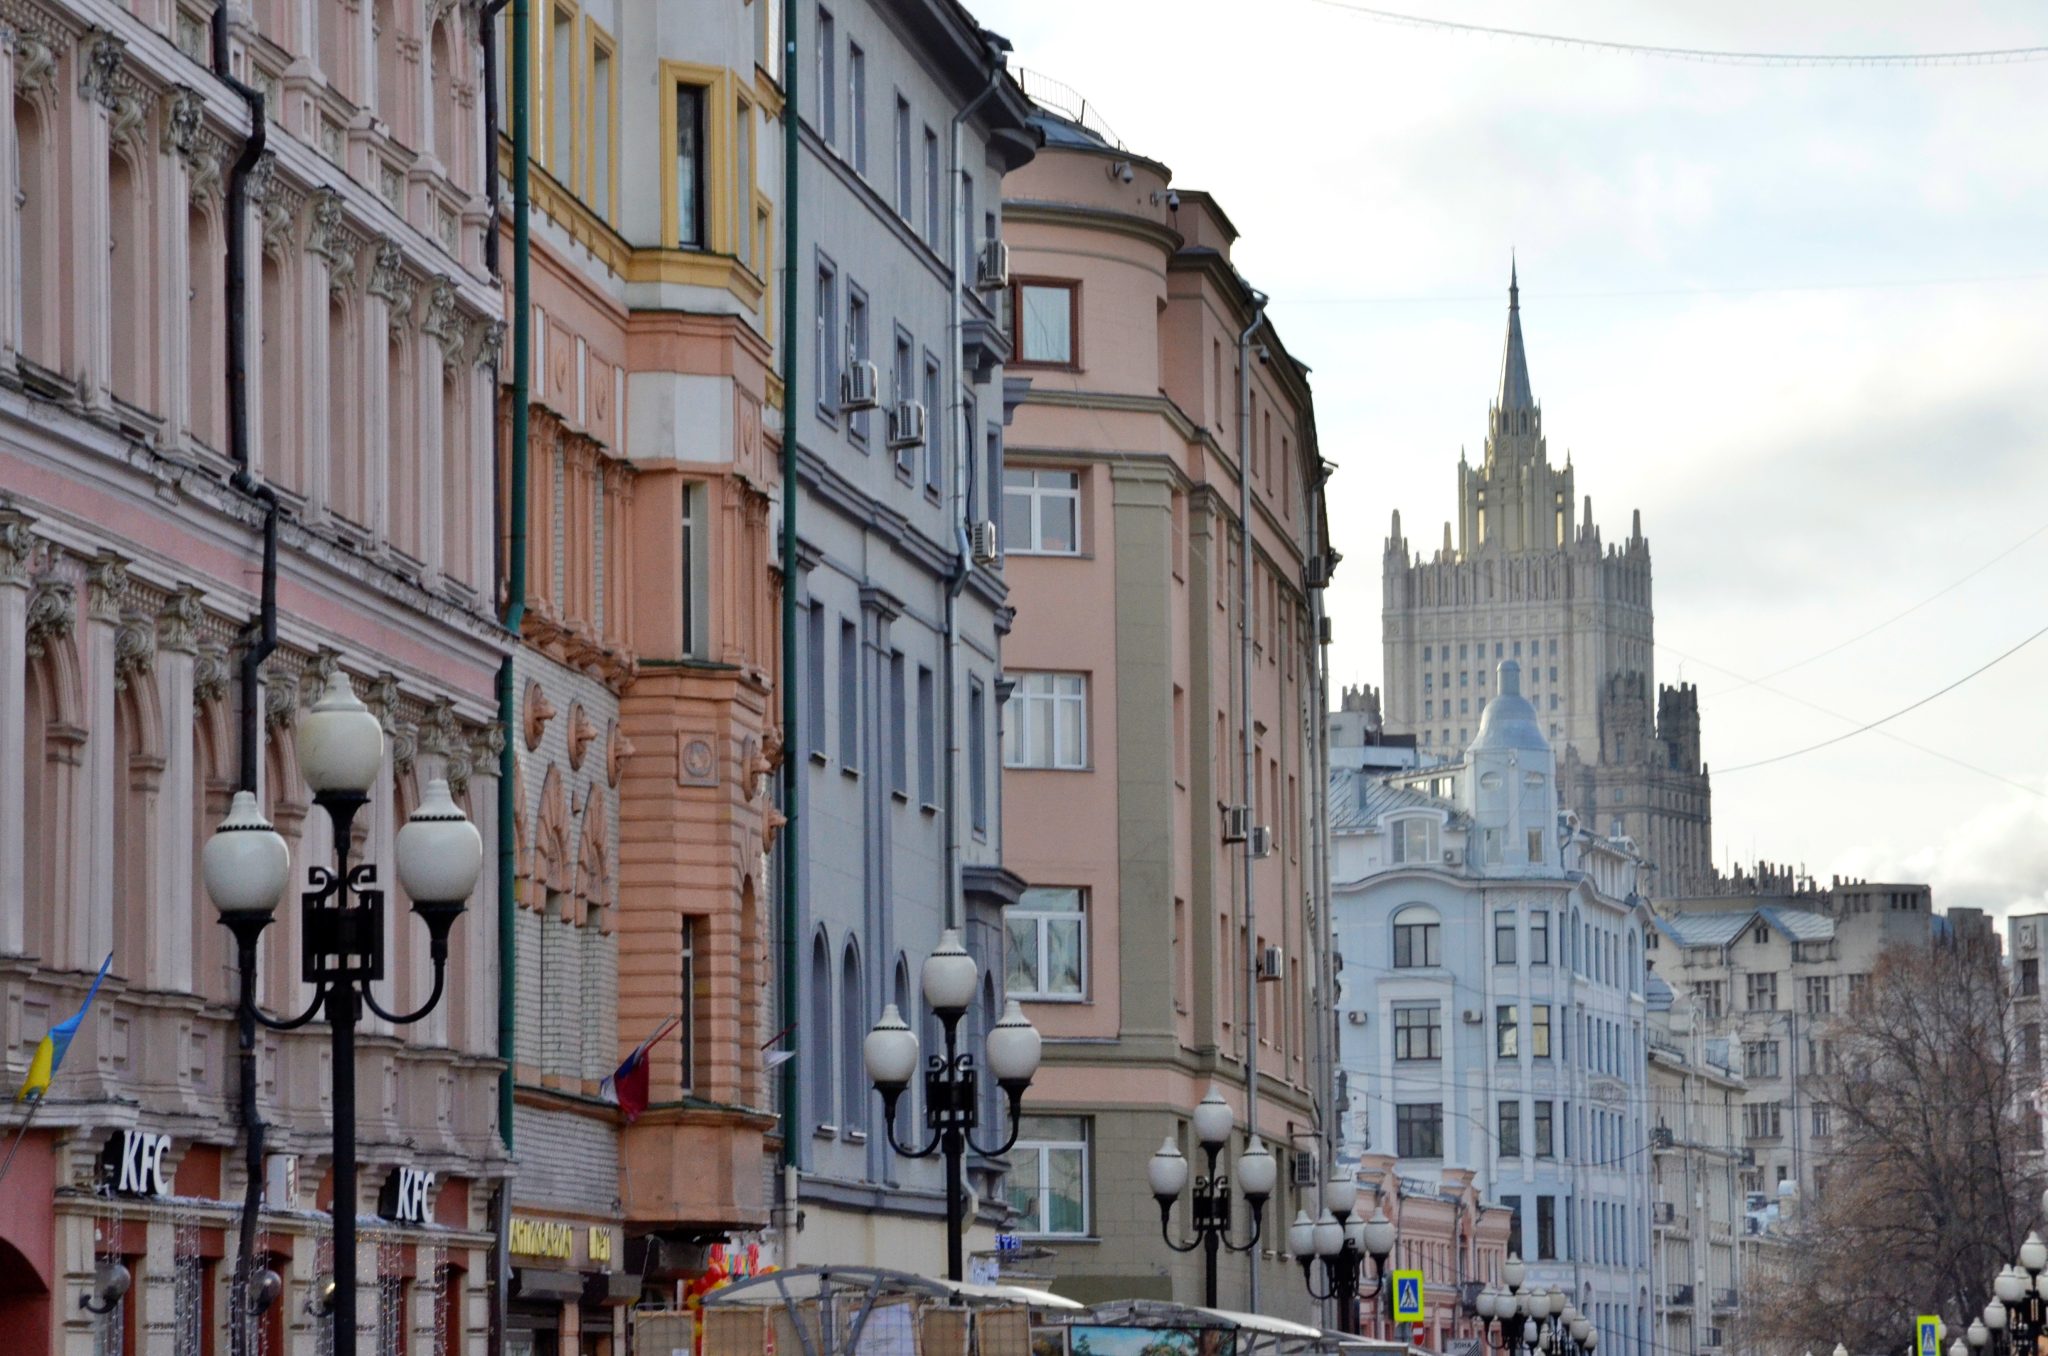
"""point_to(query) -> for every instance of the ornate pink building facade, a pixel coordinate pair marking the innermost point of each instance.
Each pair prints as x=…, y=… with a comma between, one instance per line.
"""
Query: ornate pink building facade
x=130, y=567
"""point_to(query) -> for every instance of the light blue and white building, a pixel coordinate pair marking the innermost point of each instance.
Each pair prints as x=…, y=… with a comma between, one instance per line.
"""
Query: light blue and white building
x=1490, y=1007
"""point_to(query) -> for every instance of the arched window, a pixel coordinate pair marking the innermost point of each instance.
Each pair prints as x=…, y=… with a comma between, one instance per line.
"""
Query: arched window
x=1418, y=937
x=36, y=273
x=906, y=1106
x=344, y=450
x=205, y=335
x=1414, y=840
x=820, y=1037
x=128, y=239
x=138, y=777
x=853, y=1082
x=458, y=551
x=402, y=445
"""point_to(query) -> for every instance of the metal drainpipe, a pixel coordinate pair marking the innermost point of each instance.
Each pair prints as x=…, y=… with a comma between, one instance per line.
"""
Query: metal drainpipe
x=1325, y=1008
x=791, y=911
x=1244, y=664
x=261, y=639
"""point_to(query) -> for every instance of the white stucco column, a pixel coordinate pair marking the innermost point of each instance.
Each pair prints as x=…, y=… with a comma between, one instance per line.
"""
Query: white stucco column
x=178, y=810
x=106, y=580
x=15, y=544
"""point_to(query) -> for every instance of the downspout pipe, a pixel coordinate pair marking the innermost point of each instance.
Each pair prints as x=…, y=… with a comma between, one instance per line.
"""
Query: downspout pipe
x=244, y=1299
x=786, y=842
x=1249, y=771
x=963, y=438
x=511, y=547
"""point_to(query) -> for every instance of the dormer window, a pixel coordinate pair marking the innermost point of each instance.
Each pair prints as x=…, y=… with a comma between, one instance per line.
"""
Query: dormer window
x=1414, y=840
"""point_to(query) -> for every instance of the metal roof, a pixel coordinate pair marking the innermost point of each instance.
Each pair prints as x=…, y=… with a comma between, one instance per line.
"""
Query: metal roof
x=1358, y=799
x=1509, y=721
x=1514, y=363
x=1721, y=928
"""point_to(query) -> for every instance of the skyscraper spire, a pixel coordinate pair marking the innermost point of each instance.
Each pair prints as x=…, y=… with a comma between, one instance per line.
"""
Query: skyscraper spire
x=1514, y=366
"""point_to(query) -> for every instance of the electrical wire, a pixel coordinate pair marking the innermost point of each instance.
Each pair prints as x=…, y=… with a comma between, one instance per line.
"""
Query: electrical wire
x=1980, y=57
x=1739, y=289
x=1872, y=725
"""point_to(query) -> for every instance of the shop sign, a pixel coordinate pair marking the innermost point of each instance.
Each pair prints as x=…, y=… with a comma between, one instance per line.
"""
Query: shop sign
x=404, y=1198
x=542, y=1238
x=132, y=1164
x=600, y=1245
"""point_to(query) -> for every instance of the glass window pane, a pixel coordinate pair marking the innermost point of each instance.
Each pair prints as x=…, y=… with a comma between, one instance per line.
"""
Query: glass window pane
x=1046, y=324
x=1050, y=899
x=689, y=165
x=1020, y=965
x=1017, y=518
x=1057, y=522
x=1063, y=956
x=1038, y=736
x=1070, y=734
x=1064, y=1203
x=1023, y=1182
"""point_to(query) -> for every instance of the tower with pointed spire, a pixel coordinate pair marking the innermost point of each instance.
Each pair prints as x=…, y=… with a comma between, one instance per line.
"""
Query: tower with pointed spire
x=1523, y=574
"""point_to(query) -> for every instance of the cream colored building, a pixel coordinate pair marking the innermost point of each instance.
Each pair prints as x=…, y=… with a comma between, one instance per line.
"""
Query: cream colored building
x=1696, y=1201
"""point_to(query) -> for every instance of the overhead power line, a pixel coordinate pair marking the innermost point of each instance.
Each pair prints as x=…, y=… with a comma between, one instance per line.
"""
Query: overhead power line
x=1883, y=720
x=1758, y=289
x=1994, y=56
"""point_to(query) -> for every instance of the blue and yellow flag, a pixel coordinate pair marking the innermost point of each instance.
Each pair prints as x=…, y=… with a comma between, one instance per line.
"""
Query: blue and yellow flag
x=50, y=1051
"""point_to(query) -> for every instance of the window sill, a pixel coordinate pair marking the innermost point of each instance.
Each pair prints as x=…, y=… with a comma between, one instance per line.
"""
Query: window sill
x=855, y=1136
x=825, y=1132
x=900, y=797
x=819, y=758
x=927, y=808
x=850, y=772
x=1067, y=998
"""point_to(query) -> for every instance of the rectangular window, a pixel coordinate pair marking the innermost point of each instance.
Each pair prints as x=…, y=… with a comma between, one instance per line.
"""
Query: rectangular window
x=927, y=739
x=1510, y=1136
x=934, y=425
x=857, y=351
x=1546, y=1228
x=1046, y=722
x=692, y=219
x=1823, y=1123
x=686, y=1034
x=602, y=128
x=1820, y=996
x=695, y=591
x=1859, y=992
x=977, y=756
x=814, y=678
x=829, y=366
x=857, y=105
x=1761, y=992
x=1044, y=320
x=1418, y=1031
x=1042, y=512
x=1048, y=1178
x=899, y=726
x=1706, y=996
x=933, y=201
x=1546, y=1144
x=849, y=696
x=1419, y=1130
x=1760, y=1059
x=1507, y=1031
x=1504, y=937
x=2030, y=977
x=1535, y=845
x=561, y=114
x=1046, y=956
x=1763, y=1120
x=743, y=176
x=902, y=157
x=1539, y=1030
x=1414, y=840
x=903, y=388
x=1539, y=938
x=1417, y=944
x=1513, y=1205
x=828, y=77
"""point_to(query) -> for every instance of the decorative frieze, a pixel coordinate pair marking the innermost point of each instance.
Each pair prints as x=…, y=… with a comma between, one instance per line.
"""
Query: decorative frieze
x=446, y=322
x=103, y=78
x=279, y=203
x=186, y=135
x=35, y=54
x=399, y=288
x=331, y=239
x=178, y=622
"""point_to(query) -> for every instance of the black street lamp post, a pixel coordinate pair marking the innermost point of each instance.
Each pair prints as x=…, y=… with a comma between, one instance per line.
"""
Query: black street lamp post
x=1342, y=1242
x=951, y=1107
x=247, y=867
x=1542, y=1321
x=1210, y=1216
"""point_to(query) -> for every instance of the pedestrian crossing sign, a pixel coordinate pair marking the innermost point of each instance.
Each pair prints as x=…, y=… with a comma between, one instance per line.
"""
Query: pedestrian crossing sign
x=1927, y=1332
x=1408, y=1297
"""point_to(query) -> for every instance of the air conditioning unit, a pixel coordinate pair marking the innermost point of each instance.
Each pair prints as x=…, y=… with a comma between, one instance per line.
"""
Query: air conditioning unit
x=1316, y=573
x=1661, y=1137
x=1304, y=1169
x=1664, y=1213
x=1356, y=1016
x=1473, y=1017
x=1452, y=856
x=1237, y=823
x=1261, y=841
x=992, y=267
x=906, y=424
x=859, y=385
x=1272, y=964
x=1323, y=631
x=982, y=545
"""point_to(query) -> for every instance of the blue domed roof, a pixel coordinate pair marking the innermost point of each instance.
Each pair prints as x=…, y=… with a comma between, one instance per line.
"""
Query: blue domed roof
x=1510, y=721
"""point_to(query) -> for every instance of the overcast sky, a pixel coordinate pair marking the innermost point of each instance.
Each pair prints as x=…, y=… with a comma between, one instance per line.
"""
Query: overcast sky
x=1798, y=316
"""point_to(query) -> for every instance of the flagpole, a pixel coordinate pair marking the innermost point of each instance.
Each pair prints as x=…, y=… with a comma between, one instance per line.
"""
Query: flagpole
x=20, y=1135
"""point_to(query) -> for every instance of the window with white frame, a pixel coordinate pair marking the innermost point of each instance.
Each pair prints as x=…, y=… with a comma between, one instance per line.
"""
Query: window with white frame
x=1414, y=840
x=1042, y=513
x=1047, y=724
x=1048, y=942
x=1048, y=1179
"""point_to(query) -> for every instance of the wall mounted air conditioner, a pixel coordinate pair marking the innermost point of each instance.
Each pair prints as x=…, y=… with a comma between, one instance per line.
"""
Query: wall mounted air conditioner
x=1272, y=964
x=906, y=425
x=1356, y=1017
x=1304, y=1169
x=859, y=386
x=1473, y=1017
x=1260, y=840
x=1452, y=856
x=981, y=543
x=1237, y=823
x=992, y=267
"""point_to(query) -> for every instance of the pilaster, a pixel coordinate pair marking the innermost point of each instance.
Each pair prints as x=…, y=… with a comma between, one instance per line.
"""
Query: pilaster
x=106, y=581
x=10, y=274
x=179, y=812
x=17, y=544
x=89, y=351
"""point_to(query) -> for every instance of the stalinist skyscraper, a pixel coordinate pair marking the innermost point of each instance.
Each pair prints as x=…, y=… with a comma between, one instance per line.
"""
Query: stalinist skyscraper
x=1517, y=578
